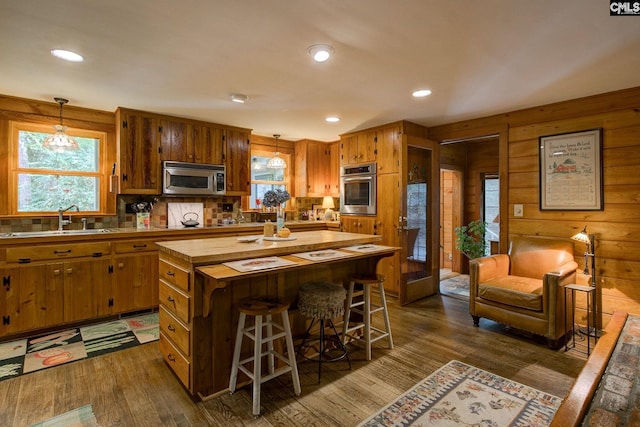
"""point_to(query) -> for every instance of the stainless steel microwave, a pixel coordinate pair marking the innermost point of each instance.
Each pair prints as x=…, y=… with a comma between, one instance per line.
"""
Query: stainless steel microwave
x=193, y=179
x=358, y=189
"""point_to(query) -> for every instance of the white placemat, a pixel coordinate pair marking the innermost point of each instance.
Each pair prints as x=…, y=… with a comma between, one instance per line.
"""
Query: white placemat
x=322, y=255
x=367, y=248
x=257, y=264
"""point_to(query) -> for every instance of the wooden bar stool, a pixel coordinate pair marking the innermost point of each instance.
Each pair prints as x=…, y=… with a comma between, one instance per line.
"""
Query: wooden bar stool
x=366, y=309
x=322, y=301
x=262, y=309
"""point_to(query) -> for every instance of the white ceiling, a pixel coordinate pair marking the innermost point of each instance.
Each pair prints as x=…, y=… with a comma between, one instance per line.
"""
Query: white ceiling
x=187, y=57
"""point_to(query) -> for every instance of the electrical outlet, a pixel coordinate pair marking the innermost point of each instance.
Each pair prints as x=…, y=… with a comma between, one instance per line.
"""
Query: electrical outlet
x=518, y=210
x=450, y=257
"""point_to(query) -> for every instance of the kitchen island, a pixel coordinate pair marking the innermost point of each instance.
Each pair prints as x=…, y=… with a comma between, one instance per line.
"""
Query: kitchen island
x=202, y=280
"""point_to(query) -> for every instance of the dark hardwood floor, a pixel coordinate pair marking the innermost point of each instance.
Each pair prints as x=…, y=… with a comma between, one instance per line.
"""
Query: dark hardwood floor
x=134, y=387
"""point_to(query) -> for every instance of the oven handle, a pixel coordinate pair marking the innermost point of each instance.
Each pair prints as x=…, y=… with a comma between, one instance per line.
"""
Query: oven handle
x=360, y=178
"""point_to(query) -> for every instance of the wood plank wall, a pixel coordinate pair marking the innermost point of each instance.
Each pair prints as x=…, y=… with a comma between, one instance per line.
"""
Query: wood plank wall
x=616, y=227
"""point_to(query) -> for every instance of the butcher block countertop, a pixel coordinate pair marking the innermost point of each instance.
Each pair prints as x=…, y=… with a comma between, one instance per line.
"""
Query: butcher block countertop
x=225, y=249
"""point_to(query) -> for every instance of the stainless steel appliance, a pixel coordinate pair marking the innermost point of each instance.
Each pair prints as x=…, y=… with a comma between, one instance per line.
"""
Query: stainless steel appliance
x=193, y=179
x=358, y=189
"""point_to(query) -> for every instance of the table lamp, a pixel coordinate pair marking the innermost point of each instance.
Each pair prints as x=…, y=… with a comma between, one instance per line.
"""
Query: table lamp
x=328, y=205
x=590, y=252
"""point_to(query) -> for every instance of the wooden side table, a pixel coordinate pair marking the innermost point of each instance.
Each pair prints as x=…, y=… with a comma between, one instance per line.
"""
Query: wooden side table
x=590, y=295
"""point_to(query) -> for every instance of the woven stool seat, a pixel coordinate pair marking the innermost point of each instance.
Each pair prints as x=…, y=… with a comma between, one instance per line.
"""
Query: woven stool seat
x=321, y=300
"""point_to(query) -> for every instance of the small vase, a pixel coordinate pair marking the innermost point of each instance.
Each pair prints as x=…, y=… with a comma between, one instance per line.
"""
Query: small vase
x=280, y=216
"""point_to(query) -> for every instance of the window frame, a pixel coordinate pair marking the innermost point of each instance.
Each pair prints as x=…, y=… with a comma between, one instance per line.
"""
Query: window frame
x=14, y=170
x=287, y=182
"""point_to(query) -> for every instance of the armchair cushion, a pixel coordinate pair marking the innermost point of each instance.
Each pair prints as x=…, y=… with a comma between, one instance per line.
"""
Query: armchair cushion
x=516, y=291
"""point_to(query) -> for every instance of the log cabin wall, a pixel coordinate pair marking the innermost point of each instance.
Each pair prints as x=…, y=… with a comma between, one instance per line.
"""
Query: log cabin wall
x=616, y=227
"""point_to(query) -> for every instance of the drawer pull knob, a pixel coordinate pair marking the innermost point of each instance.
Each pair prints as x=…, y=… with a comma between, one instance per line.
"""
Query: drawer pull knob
x=170, y=273
x=139, y=246
x=68, y=251
x=171, y=328
x=171, y=357
x=170, y=299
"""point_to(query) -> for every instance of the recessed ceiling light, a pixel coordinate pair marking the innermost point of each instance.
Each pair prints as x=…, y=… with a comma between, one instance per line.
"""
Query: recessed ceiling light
x=320, y=52
x=421, y=93
x=239, y=98
x=332, y=119
x=67, y=55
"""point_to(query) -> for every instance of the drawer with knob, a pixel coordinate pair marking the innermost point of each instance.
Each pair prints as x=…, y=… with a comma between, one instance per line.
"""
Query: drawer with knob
x=175, y=275
x=172, y=328
x=175, y=301
x=178, y=363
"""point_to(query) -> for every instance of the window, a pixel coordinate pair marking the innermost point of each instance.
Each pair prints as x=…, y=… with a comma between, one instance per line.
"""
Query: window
x=43, y=180
x=491, y=207
x=264, y=179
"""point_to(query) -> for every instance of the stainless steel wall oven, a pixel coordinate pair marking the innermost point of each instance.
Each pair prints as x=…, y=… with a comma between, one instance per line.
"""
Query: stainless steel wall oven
x=358, y=189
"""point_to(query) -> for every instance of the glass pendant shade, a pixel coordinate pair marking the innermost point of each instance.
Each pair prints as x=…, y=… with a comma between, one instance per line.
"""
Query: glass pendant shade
x=276, y=162
x=60, y=141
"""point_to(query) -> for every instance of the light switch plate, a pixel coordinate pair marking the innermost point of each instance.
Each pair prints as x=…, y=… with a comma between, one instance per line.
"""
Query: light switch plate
x=517, y=210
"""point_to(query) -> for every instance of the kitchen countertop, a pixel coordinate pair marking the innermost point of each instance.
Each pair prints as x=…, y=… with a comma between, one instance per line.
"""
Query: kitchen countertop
x=225, y=249
x=152, y=233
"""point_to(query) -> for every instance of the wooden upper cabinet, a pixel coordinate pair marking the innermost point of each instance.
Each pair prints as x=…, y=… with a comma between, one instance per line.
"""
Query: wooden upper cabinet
x=358, y=148
x=334, y=169
x=236, y=154
x=388, y=150
x=138, y=152
x=317, y=169
x=174, y=141
x=206, y=144
x=190, y=142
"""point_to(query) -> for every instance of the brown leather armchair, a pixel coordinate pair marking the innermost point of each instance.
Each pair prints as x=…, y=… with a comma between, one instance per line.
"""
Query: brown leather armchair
x=524, y=289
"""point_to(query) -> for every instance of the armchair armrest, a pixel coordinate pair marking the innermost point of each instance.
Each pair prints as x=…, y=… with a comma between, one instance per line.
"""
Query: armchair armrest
x=488, y=267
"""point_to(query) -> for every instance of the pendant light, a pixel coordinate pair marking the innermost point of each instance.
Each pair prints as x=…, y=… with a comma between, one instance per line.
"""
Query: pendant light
x=60, y=141
x=276, y=162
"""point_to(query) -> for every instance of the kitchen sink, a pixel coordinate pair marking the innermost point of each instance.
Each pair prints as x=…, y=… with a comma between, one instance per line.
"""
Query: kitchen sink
x=55, y=233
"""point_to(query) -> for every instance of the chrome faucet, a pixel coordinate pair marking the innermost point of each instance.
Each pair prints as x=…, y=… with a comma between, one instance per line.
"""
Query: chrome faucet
x=61, y=221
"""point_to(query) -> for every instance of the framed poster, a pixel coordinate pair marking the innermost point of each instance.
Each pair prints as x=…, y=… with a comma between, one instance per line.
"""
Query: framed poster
x=571, y=171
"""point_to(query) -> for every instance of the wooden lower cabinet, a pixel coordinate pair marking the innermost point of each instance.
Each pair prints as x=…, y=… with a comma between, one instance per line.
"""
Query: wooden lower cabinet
x=358, y=224
x=53, y=285
x=135, y=282
x=31, y=297
x=84, y=282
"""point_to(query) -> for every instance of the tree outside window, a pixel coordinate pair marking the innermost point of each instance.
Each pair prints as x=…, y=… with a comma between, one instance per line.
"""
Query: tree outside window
x=46, y=180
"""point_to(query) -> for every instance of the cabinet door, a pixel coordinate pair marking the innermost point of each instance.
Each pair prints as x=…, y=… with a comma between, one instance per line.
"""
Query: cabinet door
x=388, y=150
x=206, y=144
x=10, y=301
x=31, y=298
x=236, y=158
x=387, y=226
x=138, y=153
x=135, y=282
x=317, y=169
x=366, y=147
x=174, y=141
x=87, y=286
x=349, y=150
x=358, y=224
x=333, y=178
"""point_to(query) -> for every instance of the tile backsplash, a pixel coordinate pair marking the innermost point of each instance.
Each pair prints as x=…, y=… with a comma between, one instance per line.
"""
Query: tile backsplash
x=212, y=212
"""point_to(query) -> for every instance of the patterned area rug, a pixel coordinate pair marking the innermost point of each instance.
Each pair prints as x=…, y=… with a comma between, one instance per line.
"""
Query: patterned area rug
x=81, y=417
x=461, y=395
x=617, y=399
x=457, y=285
x=56, y=348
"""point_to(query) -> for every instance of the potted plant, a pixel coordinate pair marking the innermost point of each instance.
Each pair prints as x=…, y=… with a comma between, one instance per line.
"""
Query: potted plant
x=470, y=239
x=275, y=198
